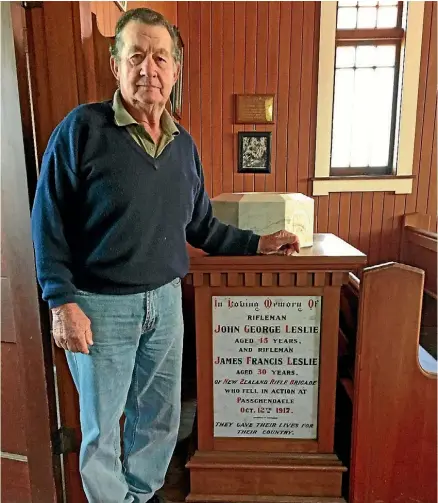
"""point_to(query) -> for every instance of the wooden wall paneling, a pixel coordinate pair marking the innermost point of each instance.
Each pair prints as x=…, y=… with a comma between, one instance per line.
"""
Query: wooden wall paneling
x=344, y=216
x=432, y=196
x=428, y=120
x=272, y=85
x=410, y=204
x=323, y=214
x=314, y=101
x=261, y=74
x=206, y=94
x=195, y=74
x=39, y=78
x=386, y=231
x=333, y=214
x=356, y=208
x=239, y=80
x=251, y=49
x=217, y=107
x=399, y=211
x=229, y=153
x=184, y=28
x=294, y=96
x=283, y=95
x=61, y=56
x=365, y=221
x=376, y=228
x=306, y=95
x=293, y=46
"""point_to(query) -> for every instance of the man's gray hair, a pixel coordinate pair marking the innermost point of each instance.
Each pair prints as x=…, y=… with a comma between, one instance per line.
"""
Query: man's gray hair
x=146, y=16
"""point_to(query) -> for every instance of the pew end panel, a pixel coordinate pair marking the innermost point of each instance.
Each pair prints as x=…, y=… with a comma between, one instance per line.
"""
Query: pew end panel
x=394, y=428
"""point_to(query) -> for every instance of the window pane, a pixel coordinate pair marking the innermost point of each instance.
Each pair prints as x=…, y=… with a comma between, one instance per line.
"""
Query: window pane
x=367, y=2
x=387, y=17
x=365, y=56
x=385, y=55
x=366, y=17
x=387, y=2
x=381, y=131
x=363, y=119
x=343, y=104
x=347, y=18
x=345, y=57
x=346, y=3
x=363, y=100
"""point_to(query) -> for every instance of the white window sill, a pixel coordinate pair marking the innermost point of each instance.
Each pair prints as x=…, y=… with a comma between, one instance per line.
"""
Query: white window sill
x=398, y=185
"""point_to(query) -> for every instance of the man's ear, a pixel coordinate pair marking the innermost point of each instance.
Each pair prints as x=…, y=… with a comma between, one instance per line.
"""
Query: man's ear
x=176, y=72
x=114, y=67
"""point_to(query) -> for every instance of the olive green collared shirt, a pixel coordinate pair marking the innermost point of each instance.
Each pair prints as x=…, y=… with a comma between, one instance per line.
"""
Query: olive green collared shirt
x=124, y=119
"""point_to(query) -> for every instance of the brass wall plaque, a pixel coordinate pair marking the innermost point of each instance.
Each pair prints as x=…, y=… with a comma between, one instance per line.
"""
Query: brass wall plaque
x=254, y=108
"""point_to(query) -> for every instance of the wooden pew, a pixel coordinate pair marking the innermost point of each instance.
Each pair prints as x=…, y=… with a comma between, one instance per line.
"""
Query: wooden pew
x=387, y=399
x=418, y=248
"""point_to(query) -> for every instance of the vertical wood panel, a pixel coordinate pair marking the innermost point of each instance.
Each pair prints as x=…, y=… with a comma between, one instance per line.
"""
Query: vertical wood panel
x=344, y=216
x=195, y=73
x=251, y=48
x=376, y=228
x=365, y=221
x=216, y=96
x=262, y=73
x=228, y=148
x=386, y=231
x=206, y=96
x=273, y=47
x=184, y=27
x=272, y=84
x=239, y=78
x=294, y=96
x=306, y=95
x=356, y=208
x=283, y=96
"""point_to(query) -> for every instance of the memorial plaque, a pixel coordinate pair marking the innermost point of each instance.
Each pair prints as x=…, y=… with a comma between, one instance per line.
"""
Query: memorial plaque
x=266, y=366
x=254, y=109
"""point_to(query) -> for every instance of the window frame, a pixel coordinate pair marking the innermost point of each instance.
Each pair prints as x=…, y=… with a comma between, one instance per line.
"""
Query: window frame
x=400, y=181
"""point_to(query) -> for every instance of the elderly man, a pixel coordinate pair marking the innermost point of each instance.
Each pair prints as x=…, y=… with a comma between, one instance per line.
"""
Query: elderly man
x=121, y=191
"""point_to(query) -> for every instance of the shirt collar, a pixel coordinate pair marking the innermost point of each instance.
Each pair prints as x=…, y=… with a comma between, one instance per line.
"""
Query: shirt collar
x=123, y=118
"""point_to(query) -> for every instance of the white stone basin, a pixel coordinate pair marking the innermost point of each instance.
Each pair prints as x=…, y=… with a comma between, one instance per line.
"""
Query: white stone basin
x=268, y=212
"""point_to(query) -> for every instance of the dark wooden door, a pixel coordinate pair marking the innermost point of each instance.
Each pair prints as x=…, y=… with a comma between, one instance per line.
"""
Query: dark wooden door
x=27, y=419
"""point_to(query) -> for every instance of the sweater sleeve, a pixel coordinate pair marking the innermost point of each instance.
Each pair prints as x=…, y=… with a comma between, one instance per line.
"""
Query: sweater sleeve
x=56, y=185
x=208, y=233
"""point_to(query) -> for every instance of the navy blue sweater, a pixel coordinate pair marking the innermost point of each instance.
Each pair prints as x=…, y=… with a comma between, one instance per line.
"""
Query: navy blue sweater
x=109, y=218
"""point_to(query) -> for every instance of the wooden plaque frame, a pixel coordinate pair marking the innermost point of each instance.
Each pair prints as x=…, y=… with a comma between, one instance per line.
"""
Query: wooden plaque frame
x=239, y=469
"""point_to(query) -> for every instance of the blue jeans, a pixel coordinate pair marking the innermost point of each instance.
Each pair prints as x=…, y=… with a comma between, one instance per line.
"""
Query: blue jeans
x=133, y=367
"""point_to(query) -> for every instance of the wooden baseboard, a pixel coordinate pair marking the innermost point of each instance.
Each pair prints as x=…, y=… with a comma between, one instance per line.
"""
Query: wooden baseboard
x=228, y=477
x=237, y=498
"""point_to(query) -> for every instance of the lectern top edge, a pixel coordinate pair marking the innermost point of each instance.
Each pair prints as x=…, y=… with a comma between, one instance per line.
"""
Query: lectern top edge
x=327, y=252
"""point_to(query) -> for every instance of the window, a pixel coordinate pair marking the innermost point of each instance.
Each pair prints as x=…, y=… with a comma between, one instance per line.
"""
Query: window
x=367, y=92
x=367, y=62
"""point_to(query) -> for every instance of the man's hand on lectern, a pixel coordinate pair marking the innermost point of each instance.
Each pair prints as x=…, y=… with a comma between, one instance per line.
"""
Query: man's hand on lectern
x=279, y=243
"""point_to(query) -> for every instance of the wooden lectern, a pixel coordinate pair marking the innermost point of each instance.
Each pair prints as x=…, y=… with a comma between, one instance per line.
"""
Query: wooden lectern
x=267, y=345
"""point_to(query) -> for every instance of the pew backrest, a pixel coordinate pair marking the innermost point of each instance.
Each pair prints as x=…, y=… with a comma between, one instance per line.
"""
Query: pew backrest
x=394, y=432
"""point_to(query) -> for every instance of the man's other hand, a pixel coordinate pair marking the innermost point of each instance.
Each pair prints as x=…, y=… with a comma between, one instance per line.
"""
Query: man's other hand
x=71, y=328
x=279, y=243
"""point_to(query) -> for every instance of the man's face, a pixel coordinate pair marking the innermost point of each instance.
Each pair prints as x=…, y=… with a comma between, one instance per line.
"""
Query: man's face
x=146, y=70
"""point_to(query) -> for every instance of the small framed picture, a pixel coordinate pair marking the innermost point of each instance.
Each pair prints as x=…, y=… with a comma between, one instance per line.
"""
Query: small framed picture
x=254, y=152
